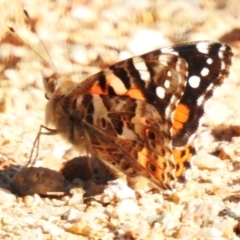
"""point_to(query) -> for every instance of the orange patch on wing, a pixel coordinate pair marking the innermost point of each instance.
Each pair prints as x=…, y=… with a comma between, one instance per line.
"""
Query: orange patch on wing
x=118, y=87
x=135, y=94
x=181, y=157
x=142, y=157
x=111, y=81
x=96, y=89
x=181, y=116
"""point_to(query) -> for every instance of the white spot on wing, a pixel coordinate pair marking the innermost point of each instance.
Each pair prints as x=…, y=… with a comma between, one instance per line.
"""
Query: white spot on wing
x=141, y=66
x=205, y=72
x=220, y=55
x=200, y=101
x=160, y=91
x=163, y=59
x=169, y=50
x=223, y=66
x=179, y=66
x=116, y=83
x=223, y=48
x=194, y=81
x=210, y=87
x=166, y=49
x=203, y=47
x=128, y=134
x=209, y=61
x=167, y=84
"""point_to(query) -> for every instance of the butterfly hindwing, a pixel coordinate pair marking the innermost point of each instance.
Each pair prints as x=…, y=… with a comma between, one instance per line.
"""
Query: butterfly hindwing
x=127, y=134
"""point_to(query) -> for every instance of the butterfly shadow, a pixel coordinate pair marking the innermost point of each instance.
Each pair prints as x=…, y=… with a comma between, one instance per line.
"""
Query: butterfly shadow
x=75, y=174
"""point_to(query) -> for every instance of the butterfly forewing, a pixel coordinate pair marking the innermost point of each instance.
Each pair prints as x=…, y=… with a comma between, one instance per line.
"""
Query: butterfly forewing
x=158, y=79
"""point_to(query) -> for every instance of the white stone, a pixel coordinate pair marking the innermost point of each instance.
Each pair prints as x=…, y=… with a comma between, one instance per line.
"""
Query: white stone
x=7, y=198
x=117, y=190
x=209, y=162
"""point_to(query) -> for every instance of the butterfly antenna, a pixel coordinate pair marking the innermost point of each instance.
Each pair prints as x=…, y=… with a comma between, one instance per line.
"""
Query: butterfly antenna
x=26, y=44
x=44, y=46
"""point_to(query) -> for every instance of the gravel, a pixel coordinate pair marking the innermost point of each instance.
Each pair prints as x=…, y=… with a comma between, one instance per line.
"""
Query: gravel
x=81, y=39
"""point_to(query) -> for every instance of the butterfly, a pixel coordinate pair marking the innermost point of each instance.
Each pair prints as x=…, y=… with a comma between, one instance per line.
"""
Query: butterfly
x=139, y=116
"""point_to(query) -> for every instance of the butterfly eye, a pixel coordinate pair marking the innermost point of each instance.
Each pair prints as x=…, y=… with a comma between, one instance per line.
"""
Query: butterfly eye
x=49, y=84
x=47, y=88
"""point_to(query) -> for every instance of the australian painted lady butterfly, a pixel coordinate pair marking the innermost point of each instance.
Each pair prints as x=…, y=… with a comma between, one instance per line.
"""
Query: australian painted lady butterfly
x=139, y=115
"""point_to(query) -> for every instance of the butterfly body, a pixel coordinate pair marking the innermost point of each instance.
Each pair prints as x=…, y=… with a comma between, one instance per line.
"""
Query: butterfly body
x=139, y=116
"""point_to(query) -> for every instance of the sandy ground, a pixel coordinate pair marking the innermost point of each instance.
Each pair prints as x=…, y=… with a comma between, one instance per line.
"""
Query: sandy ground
x=81, y=38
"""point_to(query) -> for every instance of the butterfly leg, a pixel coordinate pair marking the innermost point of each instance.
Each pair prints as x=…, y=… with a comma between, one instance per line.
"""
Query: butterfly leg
x=36, y=143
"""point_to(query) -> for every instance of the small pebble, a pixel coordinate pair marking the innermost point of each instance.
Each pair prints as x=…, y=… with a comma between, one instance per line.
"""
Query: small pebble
x=209, y=162
x=117, y=190
x=72, y=215
x=209, y=233
x=7, y=198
